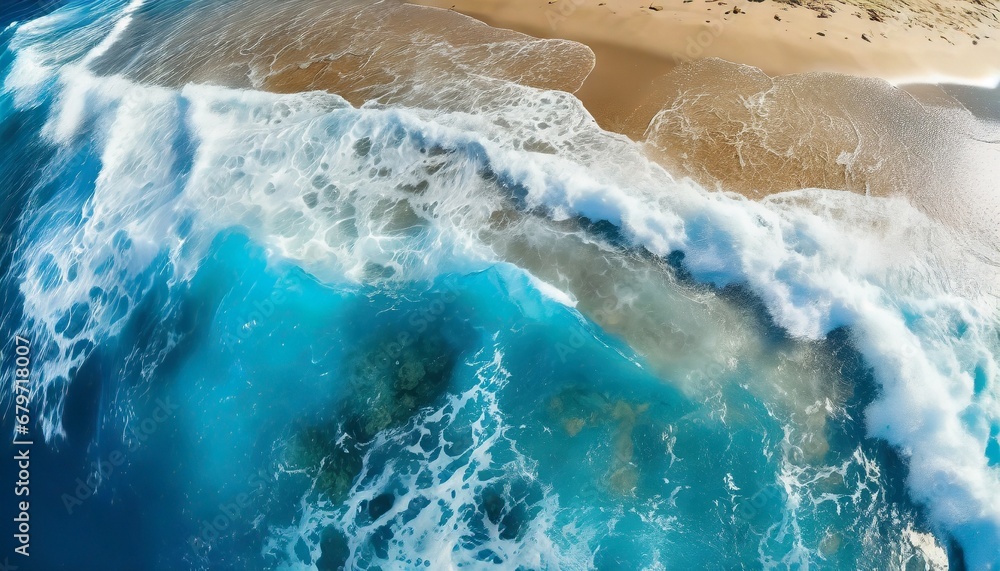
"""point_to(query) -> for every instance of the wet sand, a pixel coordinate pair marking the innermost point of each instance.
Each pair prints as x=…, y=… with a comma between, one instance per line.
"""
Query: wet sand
x=390, y=52
x=982, y=102
x=622, y=92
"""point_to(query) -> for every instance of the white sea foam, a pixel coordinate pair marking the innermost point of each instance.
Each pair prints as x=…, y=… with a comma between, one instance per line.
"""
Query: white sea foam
x=985, y=81
x=43, y=47
x=26, y=77
x=552, y=292
x=121, y=22
x=446, y=483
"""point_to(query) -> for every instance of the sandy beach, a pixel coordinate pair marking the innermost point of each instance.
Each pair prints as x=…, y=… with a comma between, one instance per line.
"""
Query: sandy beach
x=904, y=41
x=635, y=43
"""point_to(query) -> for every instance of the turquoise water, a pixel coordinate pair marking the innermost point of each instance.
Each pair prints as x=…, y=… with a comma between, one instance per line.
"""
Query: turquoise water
x=288, y=332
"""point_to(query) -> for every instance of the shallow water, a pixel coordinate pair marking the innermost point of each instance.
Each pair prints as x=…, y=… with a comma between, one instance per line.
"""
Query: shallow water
x=432, y=316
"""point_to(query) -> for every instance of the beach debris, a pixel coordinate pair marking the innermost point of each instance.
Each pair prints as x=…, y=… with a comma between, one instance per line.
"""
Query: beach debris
x=874, y=16
x=777, y=17
x=866, y=38
x=736, y=10
x=820, y=34
x=655, y=8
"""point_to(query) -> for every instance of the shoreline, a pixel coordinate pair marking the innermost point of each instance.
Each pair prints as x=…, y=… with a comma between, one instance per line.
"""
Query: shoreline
x=725, y=125
x=734, y=116
x=914, y=41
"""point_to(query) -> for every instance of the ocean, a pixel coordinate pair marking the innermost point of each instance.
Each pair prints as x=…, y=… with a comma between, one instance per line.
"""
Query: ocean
x=361, y=285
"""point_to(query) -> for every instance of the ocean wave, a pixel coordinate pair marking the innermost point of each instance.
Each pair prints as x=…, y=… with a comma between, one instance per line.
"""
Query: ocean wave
x=406, y=190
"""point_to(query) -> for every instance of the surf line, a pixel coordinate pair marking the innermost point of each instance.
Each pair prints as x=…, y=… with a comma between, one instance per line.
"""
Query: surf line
x=22, y=443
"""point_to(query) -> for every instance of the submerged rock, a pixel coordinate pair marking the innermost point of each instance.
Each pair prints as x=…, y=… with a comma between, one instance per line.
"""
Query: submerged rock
x=335, y=550
x=320, y=452
x=395, y=380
